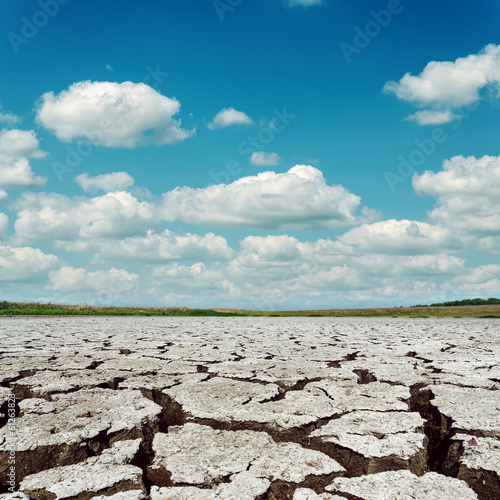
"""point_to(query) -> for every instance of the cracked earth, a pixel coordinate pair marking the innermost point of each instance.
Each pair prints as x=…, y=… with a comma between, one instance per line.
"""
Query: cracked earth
x=250, y=408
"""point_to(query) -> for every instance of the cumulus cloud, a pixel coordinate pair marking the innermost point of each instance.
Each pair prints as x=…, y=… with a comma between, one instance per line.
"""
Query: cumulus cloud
x=4, y=222
x=490, y=244
x=115, y=181
x=431, y=117
x=24, y=263
x=482, y=280
x=16, y=147
x=43, y=216
x=263, y=159
x=305, y=265
x=275, y=271
x=479, y=281
x=229, y=116
x=445, y=85
x=479, y=275
x=167, y=246
x=403, y=237
x=297, y=199
x=267, y=272
x=183, y=278
x=111, y=283
x=112, y=114
x=281, y=250
x=467, y=192
x=380, y=268
x=8, y=118
x=276, y=261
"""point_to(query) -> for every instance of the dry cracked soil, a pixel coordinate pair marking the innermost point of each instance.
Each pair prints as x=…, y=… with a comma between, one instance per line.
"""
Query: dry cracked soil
x=249, y=408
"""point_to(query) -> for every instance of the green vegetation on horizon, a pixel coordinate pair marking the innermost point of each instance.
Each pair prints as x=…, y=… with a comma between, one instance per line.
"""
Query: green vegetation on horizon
x=473, y=308
x=36, y=309
x=466, y=302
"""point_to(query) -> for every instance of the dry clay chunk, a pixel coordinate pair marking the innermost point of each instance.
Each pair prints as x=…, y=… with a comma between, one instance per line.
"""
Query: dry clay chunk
x=77, y=416
x=376, y=434
x=227, y=400
x=479, y=463
x=403, y=485
x=480, y=453
x=123, y=495
x=471, y=409
x=48, y=382
x=242, y=486
x=107, y=473
x=308, y=494
x=199, y=455
x=70, y=428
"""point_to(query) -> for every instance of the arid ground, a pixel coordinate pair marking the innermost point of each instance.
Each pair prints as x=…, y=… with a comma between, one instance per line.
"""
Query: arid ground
x=246, y=408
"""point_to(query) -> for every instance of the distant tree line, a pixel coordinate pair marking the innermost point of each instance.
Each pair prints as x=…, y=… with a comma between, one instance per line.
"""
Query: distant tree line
x=465, y=302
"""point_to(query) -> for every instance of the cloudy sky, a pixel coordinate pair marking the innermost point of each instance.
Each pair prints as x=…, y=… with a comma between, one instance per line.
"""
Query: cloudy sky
x=265, y=154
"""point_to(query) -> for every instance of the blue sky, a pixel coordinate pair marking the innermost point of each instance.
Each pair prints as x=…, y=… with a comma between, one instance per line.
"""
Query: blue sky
x=265, y=154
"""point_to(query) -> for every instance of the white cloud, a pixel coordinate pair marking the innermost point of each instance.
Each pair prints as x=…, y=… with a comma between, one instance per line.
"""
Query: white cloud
x=403, y=237
x=17, y=143
x=167, y=246
x=467, y=192
x=3, y=196
x=276, y=260
x=490, y=244
x=390, y=268
x=431, y=117
x=56, y=217
x=271, y=272
x=109, y=284
x=4, y=222
x=263, y=159
x=24, y=263
x=8, y=118
x=297, y=199
x=229, y=116
x=109, y=67
x=445, y=85
x=183, y=278
x=372, y=279
x=280, y=270
x=115, y=181
x=16, y=146
x=480, y=281
x=304, y=3
x=479, y=275
x=112, y=114
x=19, y=175
x=280, y=250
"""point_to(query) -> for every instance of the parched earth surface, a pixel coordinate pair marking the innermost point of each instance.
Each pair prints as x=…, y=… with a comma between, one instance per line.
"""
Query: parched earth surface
x=250, y=408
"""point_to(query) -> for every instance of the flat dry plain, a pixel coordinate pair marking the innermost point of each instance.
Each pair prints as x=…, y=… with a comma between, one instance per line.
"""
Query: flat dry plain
x=250, y=408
